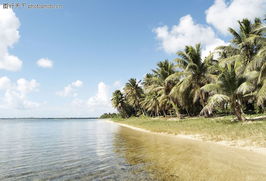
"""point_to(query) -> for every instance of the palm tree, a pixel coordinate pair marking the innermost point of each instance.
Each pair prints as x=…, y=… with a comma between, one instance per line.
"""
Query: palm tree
x=157, y=88
x=245, y=45
x=228, y=88
x=120, y=104
x=195, y=85
x=134, y=94
x=247, y=39
x=163, y=70
x=151, y=104
x=261, y=81
x=194, y=73
x=247, y=51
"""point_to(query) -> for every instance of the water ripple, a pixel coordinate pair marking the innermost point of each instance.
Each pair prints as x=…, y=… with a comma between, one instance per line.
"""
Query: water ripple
x=60, y=150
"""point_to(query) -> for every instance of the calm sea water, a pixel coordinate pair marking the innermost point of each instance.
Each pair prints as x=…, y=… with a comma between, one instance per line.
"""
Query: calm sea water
x=51, y=149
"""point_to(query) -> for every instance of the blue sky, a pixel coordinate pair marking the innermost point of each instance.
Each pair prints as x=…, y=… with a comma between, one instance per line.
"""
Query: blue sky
x=95, y=46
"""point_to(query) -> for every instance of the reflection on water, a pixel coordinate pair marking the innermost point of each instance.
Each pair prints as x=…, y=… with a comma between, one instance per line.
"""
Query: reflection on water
x=171, y=158
x=62, y=150
x=97, y=150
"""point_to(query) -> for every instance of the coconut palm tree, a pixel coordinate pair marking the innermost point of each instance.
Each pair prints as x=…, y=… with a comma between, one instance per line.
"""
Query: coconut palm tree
x=134, y=94
x=194, y=73
x=228, y=88
x=151, y=104
x=120, y=104
x=245, y=45
x=247, y=51
x=261, y=82
x=156, y=86
x=195, y=85
x=163, y=70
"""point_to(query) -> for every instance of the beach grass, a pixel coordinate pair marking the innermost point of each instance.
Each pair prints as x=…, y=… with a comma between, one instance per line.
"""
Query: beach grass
x=214, y=129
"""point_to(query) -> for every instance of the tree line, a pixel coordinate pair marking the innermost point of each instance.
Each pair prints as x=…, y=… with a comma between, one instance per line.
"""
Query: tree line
x=230, y=80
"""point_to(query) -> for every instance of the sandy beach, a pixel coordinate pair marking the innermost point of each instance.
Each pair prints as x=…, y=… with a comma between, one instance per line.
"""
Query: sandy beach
x=238, y=144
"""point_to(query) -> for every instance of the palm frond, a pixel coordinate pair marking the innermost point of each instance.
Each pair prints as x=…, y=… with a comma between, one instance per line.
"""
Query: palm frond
x=214, y=102
x=261, y=95
x=245, y=88
x=211, y=88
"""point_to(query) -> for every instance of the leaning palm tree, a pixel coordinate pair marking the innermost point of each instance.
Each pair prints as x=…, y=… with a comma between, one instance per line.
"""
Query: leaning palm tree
x=120, y=104
x=229, y=88
x=134, y=94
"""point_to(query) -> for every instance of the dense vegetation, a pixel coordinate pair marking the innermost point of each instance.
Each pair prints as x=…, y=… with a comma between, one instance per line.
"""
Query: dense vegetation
x=109, y=115
x=232, y=79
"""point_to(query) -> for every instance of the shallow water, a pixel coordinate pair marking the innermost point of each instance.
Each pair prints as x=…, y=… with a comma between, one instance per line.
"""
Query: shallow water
x=51, y=149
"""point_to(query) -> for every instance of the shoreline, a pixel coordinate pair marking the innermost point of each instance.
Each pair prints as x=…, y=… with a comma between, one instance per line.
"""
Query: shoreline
x=238, y=144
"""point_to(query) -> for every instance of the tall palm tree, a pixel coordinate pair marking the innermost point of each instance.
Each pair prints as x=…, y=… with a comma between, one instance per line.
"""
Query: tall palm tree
x=194, y=73
x=134, y=94
x=247, y=51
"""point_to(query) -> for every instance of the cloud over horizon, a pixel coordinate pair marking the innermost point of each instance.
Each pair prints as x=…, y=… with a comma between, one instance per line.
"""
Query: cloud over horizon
x=100, y=102
x=15, y=93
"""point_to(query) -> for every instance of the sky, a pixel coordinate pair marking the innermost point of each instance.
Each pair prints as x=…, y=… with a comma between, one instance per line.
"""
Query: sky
x=67, y=61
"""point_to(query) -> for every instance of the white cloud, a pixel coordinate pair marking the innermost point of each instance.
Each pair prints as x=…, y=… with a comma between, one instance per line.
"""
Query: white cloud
x=97, y=104
x=9, y=35
x=25, y=86
x=70, y=90
x=187, y=32
x=5, y=83
x=45, y=63
x=224, y=14
x=15, y=94
x=102, y=97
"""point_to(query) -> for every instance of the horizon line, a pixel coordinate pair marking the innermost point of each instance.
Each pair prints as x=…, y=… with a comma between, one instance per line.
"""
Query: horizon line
x=49, y=117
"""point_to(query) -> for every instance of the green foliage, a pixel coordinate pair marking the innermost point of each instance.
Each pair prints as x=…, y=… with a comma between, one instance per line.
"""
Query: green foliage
x=119, y=102
x=133, y=95
x=233, y=81
x=109, y=115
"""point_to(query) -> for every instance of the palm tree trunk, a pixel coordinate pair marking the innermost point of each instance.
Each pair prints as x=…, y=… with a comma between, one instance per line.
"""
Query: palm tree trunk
x=175, y=108
x=239, y=112
x=164, y=114
x=237, y=109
